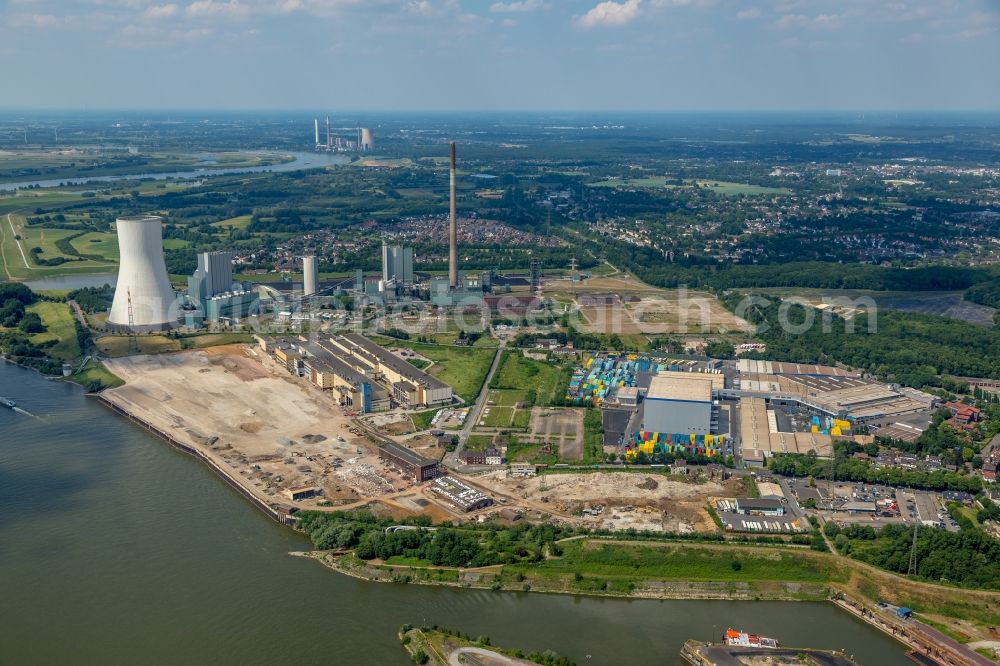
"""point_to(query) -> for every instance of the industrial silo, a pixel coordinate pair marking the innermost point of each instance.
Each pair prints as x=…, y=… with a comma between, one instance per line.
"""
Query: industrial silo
x=310, y=276
x=144, y=300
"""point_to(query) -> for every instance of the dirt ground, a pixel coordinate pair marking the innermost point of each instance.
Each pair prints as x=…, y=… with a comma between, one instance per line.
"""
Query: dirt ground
x=667, y=311
x=558, y=426
x=617, y=500
x=390, y=423
x=270, y=430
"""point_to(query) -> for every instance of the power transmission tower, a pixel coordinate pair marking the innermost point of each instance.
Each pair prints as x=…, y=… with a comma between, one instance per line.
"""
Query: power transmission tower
x=912, y=569
x=133, y=342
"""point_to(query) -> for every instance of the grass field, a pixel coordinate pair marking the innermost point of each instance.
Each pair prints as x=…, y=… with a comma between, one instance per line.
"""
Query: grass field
x=462, y=368
x=518, y=451
x=117, y=345
x=97, y=373
x=95, y=242
x=630, y=561
x=730, y=189
x=240, y=222
x=650, y=181
x=547, y=381
x=726, y=188
x=478, y=442
x=59, y=321
x=499, y=417
x=422, y=420
x=13, y=264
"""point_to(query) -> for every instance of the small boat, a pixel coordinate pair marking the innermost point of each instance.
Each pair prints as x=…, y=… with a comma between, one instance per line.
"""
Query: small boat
x=743, y=639
x=7, y=402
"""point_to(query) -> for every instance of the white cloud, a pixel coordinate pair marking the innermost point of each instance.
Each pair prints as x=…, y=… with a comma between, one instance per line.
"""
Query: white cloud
x=190, y=35
x=422, y=7
x=749, y=14
x=212, y=9
x=660, y=4
x=519, y=6
x=973, y=34
x=610, y=13
x=32, y=20
x=156, y=12
x=789, y=21
x=792, y=21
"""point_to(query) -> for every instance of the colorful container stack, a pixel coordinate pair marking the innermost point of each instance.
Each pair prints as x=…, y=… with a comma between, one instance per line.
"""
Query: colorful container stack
x=664, y=442
x=598, y=376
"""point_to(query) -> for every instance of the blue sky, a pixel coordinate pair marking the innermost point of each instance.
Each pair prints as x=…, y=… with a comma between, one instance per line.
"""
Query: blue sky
x=501, y=54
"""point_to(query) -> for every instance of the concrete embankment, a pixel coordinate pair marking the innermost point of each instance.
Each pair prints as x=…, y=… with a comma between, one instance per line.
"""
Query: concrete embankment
x=709, y=654
x=276, y=512
x=916, y=635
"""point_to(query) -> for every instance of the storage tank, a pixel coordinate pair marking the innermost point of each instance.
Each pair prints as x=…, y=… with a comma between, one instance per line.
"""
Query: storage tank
x=310, y=276
x=144, y=300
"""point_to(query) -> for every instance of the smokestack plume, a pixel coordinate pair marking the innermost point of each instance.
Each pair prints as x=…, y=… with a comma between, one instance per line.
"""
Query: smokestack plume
x=453, y=229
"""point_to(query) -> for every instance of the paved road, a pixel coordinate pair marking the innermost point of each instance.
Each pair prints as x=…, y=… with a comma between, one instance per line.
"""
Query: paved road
x=472, y=656
x=793, y=503
x=969, y=655
x=451, y=459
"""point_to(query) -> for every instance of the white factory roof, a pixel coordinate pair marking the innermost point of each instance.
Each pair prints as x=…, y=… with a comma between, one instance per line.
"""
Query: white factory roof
x=693, y=388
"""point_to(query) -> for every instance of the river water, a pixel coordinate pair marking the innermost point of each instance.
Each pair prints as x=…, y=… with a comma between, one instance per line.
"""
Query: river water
x=115, y=548
x=299, y=161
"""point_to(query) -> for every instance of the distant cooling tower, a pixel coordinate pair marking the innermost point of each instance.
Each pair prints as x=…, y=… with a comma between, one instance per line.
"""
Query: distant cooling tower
x=367, y=143
x=144, y=300
x=310, y=276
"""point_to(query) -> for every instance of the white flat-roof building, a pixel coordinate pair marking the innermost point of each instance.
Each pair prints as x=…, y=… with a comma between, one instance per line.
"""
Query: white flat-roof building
x=678, y=405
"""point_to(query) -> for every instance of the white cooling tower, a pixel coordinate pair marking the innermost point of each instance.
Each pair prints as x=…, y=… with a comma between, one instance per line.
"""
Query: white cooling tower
x=367, y=143
x=144, y=299
x=310, y=276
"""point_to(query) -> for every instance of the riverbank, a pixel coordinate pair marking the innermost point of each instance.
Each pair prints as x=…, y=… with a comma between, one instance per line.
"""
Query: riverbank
x=621, y=568
x=440, y=647
x=123, y=506
x=912, y=634
x=501, y=578
x=277, y=512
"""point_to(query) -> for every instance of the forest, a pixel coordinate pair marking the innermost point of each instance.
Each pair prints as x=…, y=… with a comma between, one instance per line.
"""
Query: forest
x=969, y=557
x=912, y=349
x=441, y=546
x=844, y=468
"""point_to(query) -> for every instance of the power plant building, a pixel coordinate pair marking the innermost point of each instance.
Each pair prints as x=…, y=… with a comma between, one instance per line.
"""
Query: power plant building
x=410, y=386
x=144, y=300
x=213, y=295
x=327, y=369
x=678, y=405
x=213, y=276
x=397, y=265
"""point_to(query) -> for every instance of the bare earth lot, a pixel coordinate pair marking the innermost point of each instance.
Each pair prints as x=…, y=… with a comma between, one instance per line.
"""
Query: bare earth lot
x=562, y=426
x=269, y=430
x=644, y=309
x=643, y=501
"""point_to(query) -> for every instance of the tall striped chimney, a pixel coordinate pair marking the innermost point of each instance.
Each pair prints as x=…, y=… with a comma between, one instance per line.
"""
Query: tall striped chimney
x=453, y=229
